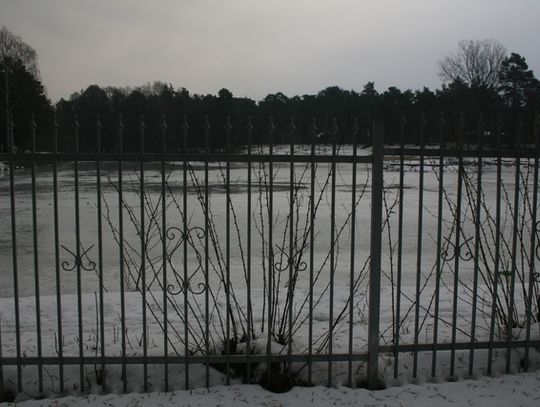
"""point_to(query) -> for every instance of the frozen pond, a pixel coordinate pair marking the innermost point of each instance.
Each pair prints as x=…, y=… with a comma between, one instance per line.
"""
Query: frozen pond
x=238, y=220
x=331, y=291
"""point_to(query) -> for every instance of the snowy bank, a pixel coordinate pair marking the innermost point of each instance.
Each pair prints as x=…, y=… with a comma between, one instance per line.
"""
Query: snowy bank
x=522, y=390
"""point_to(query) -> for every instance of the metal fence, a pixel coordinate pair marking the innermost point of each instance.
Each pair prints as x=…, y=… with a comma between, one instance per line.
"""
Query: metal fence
x=274, y=263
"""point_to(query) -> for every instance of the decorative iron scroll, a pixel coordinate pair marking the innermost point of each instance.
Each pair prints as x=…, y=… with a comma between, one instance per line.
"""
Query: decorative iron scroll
x=450, y=254
x=284, y=265
x=89, y=265
x=185, y=285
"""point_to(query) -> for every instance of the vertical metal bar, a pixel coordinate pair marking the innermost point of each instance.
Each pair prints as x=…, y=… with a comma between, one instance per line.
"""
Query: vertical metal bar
x=419, y=245
x=291, y=284
x=78, y=253
x=497, y=247
x=100, y=253
x=57, y=258
x=271, y=129
x=143, y=251
x=313, y=131
x=375, y=254
x=9, y=142
x=185, y=130
x=354, y=136
x=2, y=389
x=36, y=254
x=397, y=322
x=164, y=256
x=457, y=244
x=228, y=340
x=333, y=132
x=515, y=215
x=534, y=230
x=476, y=241
x=206, y=130
x=249, y=129
x=438, y=266
x=9, y=120
x=121, y=253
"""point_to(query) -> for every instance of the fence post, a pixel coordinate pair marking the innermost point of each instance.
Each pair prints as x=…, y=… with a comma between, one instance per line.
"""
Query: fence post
x=375, y=253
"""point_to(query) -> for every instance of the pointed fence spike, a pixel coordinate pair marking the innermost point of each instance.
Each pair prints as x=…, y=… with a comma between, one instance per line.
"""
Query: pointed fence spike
x=228, y=128
x=442, y=121
x=249, y=125
x=334, y=128
x=461, y=121
x=292, y=125
x=206, y=131
x=313, y=126
x=228, y=125
x=271, y=126
x=185, y=132
x=141, y=122
x=481, y=122
x=402, y=118
x=355, y=127
x=422, y=120
x=33, y=131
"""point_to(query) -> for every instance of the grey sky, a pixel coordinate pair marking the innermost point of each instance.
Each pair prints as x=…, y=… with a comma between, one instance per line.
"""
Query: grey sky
x=256, y=47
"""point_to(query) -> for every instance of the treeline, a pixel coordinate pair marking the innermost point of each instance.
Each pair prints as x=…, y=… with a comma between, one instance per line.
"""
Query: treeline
x=145, y=110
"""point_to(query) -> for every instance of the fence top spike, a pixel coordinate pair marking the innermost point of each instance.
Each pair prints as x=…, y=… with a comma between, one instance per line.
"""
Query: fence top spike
x=55, y=121
x=313, y=125
x=271, y=126
x=402, y=118
x=249, y=125
x=334, y=128
x=500, y=120
x=206, y=124
x=120, y=121
x=519, y=120
x=537, y=130
x=185, y=124
x=422, y=120
x=33, y=122
x=481, y=122
x=292, y=125
x=442, y=121
x=461, y=121
x=163, y=122
x=76, y=120
x=355, y=127
x=228, y=125
x=141, y=124
x=98, y=122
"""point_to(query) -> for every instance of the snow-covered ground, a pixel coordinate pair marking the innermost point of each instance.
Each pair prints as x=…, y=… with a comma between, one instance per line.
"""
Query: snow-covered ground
x=322, y=317
x=508, y=390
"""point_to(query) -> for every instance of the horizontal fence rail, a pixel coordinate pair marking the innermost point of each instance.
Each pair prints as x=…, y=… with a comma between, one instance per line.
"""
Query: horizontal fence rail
x=256, y=254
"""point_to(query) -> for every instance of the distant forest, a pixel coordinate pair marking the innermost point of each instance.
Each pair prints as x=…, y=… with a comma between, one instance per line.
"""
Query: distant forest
x=498, y=90
x=157, y=104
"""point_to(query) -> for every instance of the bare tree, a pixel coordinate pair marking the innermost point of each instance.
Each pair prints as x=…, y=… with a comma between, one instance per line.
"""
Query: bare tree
x=13, y=48
x=477, y=63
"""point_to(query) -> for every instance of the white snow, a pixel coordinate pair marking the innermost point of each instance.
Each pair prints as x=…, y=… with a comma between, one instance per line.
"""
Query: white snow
x=508, y=390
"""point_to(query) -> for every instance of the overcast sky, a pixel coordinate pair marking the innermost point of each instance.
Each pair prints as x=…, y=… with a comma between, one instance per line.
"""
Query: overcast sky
x=256, y=47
